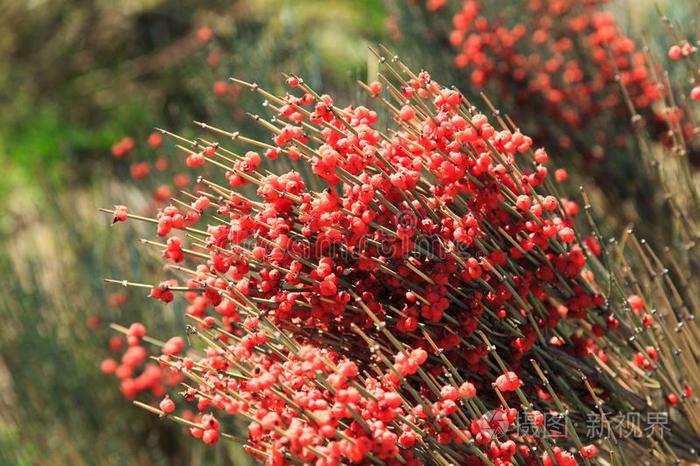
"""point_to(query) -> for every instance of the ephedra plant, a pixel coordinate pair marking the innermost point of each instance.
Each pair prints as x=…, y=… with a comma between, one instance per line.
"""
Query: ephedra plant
x=402, y=283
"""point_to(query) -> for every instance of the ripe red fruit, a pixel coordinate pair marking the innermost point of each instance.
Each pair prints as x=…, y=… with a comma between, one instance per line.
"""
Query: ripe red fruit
x=695, y=93
x=560, y=174
x=523, y=203
x=407, y=113
x=121, y=213
x=201, y=203
x=220, y=88
x=408, y=439
x=292, y=81
x=637, y=303
x=204, y=34
x=541, y=156
x=167, y=405
x=161, y=164
x=173, y=346
x=108, y=366
x=194, y=160
x=136, y=329
x=140, y=170
x=688, y=391
x=181, y=180
x=561, y=458
x=210, y=436
x=155, y=139
x=508, y=382
x=675, y=52
x=115, y=344
x=550, y=203
x=375, y=88
x=567, y=235
x=589, y=451
x=435, y=5
x=123, y=147
x=261, y=251
x=162, y=193
x=467, y=390
x=449, y=392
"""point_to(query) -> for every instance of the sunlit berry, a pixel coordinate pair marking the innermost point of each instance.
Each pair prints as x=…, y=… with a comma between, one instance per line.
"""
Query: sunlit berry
x=108, y=366
x=204, y=34
x=167, y=405
x=407, y=113
x=567, y=235
x=675, y=52
x=220, y=88
x=121, y=214
x=508, y=382
x=695, y=93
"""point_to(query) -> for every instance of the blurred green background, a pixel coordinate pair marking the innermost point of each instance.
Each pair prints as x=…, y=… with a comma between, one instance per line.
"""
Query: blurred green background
x=75, y=77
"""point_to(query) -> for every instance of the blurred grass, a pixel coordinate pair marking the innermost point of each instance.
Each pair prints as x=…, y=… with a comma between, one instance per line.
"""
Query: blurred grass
x=57, y=407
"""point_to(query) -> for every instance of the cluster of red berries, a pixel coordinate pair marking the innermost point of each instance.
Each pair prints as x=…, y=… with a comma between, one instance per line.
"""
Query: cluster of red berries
x=353, y=313
x=559, y=60
x=309, y=404
x=143, y=169
x=135, y=373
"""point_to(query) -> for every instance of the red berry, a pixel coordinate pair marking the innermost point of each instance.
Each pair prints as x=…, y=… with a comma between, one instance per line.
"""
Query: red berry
x=567, y=235
x=550, y=203
x=204, y=34
x=560, y=174
x=155, y=140
x=541, y=156
x=675, y=52
x=695, y=93
x=449, y=392
x=108, y=366
x=123, y=147
x=688, y=391
x=210, y=436
x=121, y=214
x=220, y=88
x=589, y=451
x=194, y=160
x=167, y=405
x=523, y=203
x=173, y=346
x=407, y=113
x=467, y=390
x=508, y=382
